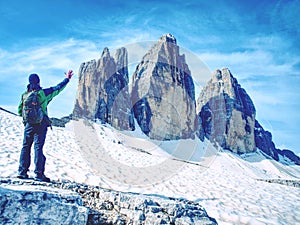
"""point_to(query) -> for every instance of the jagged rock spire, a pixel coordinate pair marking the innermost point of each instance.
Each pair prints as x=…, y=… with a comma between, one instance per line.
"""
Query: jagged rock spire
x=163, y=94
x=227, y=113
x=103, y=90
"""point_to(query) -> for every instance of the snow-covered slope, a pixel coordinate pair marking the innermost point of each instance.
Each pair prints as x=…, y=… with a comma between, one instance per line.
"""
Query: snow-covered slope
x=226, y=185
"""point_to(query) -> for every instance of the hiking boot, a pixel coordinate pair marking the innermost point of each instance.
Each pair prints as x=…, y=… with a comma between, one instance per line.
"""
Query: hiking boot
x=42, y=178
x=23, y=175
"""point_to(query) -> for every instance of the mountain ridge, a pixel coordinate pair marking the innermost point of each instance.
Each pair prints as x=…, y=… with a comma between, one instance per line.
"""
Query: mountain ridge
x=164, y=105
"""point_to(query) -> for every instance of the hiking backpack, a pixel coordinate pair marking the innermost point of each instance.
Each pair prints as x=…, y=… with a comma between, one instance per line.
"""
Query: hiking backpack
x=32, y=111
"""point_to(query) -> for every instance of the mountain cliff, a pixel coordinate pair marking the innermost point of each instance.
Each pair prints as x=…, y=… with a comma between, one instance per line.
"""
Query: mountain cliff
x=163, y=93
x=103, y=90
x=227, y=113
x=263, y=140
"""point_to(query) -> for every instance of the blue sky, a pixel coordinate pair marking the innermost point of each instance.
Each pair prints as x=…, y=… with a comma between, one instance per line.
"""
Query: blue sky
x=257, y=40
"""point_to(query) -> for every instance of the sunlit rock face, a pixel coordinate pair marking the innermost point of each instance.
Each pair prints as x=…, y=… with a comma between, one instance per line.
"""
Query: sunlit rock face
x=103, y=91
x=227, y=113
x=163, y=93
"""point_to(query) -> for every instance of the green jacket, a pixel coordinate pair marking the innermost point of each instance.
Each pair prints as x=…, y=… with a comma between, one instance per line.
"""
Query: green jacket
x=45, y=96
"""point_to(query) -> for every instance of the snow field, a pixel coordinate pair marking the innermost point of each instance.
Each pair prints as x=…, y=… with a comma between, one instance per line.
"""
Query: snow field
x=224, y=183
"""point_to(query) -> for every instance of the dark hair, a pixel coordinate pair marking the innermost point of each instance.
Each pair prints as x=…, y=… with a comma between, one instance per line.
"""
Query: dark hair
x=33, y=78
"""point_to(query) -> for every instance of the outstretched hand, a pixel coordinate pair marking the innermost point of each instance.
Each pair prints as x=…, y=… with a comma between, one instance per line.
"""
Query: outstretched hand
x=69, y=74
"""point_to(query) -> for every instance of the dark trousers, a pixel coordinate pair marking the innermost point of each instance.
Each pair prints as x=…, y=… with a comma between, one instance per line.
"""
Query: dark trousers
x=33, y=133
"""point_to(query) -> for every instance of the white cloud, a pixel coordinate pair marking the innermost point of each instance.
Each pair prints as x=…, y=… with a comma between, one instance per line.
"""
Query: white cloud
x=46, y=57
x=248, y=63
x=50, y=60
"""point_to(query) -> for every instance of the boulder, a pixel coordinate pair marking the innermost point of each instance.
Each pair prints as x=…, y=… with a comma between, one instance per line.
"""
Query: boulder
x=45, y=203
x=27, y=204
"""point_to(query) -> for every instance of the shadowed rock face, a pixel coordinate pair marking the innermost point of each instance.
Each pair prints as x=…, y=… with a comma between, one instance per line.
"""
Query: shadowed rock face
x=163, y=94
x=226, y=113
x=263, y=140
x=103, y=91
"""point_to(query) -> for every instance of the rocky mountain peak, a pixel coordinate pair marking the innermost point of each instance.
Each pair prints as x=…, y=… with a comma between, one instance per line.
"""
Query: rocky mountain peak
x=105, y=53
x=226, y=83
x=168, y=38
x=103, y=90
x=163, y=94
x=226, y=113
x=121, y=59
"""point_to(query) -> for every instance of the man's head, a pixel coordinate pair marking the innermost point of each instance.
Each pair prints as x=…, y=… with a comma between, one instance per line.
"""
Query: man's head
x=34, y=79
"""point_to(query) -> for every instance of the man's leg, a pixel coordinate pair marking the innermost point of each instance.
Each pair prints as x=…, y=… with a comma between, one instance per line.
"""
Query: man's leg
x=24, y=162
x=39, y=158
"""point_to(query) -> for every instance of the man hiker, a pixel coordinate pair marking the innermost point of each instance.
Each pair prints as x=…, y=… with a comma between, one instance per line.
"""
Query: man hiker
x=36, y=121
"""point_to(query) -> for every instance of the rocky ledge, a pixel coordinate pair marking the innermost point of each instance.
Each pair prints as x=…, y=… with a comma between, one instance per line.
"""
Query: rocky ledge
x=67, y=202
x=292, y=183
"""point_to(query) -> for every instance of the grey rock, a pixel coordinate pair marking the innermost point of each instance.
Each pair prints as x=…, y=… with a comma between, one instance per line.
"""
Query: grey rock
x=263, y=141
x=163, y=93
x=103, y=91
x=227, y=113
x=108, y=207
x=292, y=183
x=226, y=116
x=60, y=122
x=40, y=205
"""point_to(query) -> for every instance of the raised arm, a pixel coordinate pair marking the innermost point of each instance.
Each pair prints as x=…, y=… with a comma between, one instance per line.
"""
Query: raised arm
x=51, y=92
